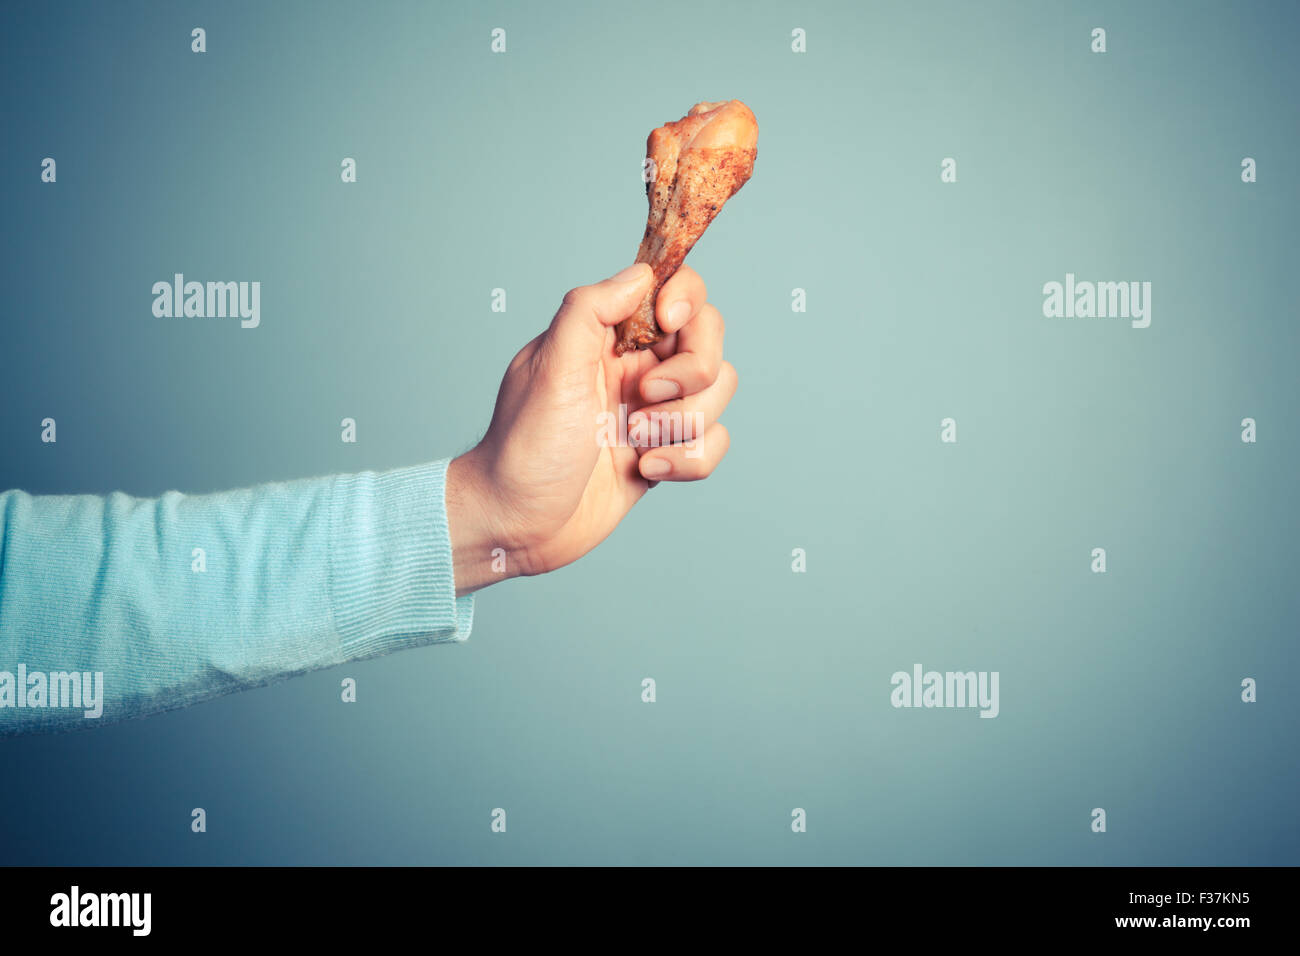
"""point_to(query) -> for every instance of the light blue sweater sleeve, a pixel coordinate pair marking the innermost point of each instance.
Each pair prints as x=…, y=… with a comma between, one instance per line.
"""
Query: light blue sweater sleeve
x=130, y=606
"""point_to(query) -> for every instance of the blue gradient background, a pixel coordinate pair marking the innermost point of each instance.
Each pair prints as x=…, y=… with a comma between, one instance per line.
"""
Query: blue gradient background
x=924, y=301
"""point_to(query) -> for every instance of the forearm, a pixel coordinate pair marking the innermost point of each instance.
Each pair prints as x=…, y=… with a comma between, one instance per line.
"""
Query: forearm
x=182, y=598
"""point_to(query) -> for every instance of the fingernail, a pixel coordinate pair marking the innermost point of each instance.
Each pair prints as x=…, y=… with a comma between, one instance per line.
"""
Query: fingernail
x=678, y=313
x=655, y=467
x=630, y=273
x=660, y=390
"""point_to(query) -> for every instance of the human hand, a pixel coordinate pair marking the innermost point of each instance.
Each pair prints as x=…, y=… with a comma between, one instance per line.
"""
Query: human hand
x=545, y=484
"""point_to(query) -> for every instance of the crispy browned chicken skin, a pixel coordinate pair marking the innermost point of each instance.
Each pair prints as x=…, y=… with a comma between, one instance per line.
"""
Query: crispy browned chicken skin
x=699, y=162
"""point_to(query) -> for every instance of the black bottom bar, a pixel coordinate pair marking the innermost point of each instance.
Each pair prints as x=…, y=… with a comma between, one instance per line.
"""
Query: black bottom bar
x=1174, y=905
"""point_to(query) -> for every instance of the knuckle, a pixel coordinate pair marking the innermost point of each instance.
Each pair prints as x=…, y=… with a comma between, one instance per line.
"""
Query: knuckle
x=729, y=374
x=577, y=297
x=703, y=288
x=723, y=443
x=523, y=356
x=717, y=317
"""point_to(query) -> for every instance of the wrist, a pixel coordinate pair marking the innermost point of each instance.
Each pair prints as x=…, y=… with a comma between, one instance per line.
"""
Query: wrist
x=482, y=553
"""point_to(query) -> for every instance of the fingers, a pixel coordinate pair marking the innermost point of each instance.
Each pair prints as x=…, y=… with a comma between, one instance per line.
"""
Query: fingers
x=579, y=329
x=688, y=462
x=678, y=302
x=695, y=363
x=686, y=418
x=679, y=299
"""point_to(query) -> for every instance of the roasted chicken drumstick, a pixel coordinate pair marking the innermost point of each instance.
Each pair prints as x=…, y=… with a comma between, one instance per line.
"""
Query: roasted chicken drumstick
x=696, y=164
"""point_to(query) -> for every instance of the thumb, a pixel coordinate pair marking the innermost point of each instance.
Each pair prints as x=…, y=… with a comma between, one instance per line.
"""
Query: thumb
x=577, y=332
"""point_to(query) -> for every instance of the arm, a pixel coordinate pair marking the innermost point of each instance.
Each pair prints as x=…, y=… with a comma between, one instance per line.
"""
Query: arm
x=302, y=575
x=293, y=577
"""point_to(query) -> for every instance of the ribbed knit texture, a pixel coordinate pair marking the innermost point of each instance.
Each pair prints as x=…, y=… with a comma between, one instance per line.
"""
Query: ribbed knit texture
x=299, y=576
